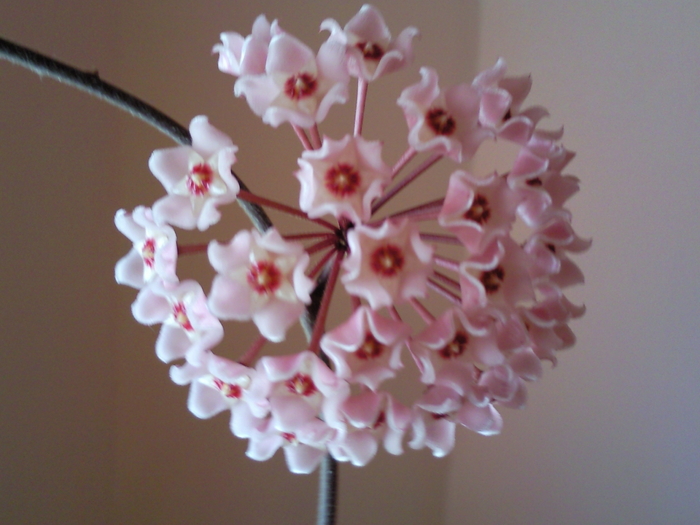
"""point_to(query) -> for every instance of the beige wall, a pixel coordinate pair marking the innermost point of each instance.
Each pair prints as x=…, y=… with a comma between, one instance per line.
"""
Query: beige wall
x=92, y=429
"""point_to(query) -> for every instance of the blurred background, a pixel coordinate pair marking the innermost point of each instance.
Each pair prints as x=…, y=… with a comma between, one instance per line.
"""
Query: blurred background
x=92, y=429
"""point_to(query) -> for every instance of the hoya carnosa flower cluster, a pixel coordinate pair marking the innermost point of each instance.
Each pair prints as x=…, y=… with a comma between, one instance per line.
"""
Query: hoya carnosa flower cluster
x=500, y=307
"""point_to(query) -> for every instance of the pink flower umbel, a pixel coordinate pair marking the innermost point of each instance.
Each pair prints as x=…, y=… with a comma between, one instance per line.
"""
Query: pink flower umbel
x=370, y=50
x=154, y=254
x=260, y=277
x=366, y=348
x=442, y=122
x=198, y=178
x=297, y=86
x=387, y=265
x=342, y=178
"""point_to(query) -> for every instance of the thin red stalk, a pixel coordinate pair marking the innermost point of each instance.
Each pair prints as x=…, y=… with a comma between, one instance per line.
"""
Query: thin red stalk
x=320, y=245
x=434, y=237
x=405, y=159
x=302, y=236
x=415, y=218
x=426, y=207
x=251, y=197
x=421, y=310
x=320, y=264
x=444, y=292
x=360, y=109
x=406, y=181
x=450, y=264
x=319, y=327
x=315, y=136
x=191, y=248
x=447, y=280
x=248, y=358
x=302, y=136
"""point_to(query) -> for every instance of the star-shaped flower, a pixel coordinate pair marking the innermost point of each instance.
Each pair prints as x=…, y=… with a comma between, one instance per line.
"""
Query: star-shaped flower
x=240, y=56
x=197, y=178
x=342, y=178
x=387, y=265
x=370, y=50
x=260, y=277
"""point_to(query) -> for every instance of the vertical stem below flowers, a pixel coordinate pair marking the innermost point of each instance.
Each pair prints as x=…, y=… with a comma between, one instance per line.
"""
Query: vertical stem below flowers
x=328, y=491
x=360, y=109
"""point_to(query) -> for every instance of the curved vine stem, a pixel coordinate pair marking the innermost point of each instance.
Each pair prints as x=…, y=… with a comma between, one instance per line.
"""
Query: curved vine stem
x=91, y=83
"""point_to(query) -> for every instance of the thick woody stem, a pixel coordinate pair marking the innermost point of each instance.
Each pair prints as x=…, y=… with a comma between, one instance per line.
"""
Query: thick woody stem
x=325, y=304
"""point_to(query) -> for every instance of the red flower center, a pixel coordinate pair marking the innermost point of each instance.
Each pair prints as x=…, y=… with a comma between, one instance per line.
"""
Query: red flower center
x=289, y=437
x=264, y=277
x=148, y=252
x=342, y=180
x=300, y=85
x=228, y=390
x=479, y=211
x=370, y=348
x=456, y=347
x=381, y=419
x=440, y=121
x=387, y=260
x=199, y=179
x=301, y=384
x=370, y=50
x=493, y=279
x=180, y=315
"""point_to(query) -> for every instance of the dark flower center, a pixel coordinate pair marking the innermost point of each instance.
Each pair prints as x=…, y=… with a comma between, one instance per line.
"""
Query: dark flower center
x=479, y=211
x=342, y=180
x=370, y=348
x=264, y=277
x=493, y=279
x=300, y=85
x=370, y=50
x=440, y=121
x=387, y=260
x=456, y=347
x=199, y=179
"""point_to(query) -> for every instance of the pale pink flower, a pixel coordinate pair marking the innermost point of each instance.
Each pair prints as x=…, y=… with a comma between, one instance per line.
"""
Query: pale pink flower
x=197, y=178
x=499, y=276
x=387, y=265
x=501, y=101
x=240, y=56
x=342, y=178
x=442, y=122
x=188, y=328
x=370, y=50
x=297, y=87
x=367, y=347
x=476, y=210
x=154, y=254
x=260, y=277
x=370, y=416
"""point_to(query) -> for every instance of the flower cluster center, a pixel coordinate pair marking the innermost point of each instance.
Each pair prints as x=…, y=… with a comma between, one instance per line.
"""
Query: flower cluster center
x=180, y=315
x=456, y=347
x=440, y=121
x=342, y=180
x=370, y=348
x=264, y=277
x=301, y=384
x=479, y=212
x=199, y=179
x=300, y=85
x=387, y=260
x=370, y=50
